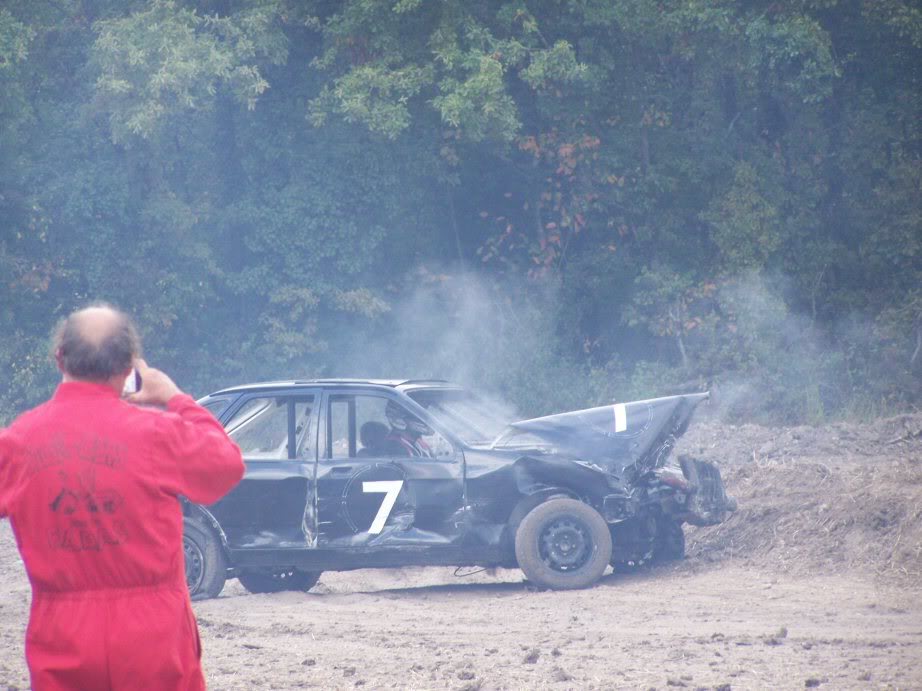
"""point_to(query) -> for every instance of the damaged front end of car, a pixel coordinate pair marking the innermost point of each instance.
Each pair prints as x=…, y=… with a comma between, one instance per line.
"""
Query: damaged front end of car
x=642, y=491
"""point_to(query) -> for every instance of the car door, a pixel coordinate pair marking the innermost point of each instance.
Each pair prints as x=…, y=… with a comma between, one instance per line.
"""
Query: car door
x=373, y=494
x=272, y=506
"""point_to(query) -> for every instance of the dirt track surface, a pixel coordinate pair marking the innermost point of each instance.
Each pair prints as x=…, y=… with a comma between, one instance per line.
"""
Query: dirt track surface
x=815, y=582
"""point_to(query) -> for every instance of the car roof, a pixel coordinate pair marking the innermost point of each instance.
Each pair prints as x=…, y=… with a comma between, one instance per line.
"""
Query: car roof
x=334, y=383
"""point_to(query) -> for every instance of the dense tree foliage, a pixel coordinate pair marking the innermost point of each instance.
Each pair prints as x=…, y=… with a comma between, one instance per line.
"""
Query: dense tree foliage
x=565, y=201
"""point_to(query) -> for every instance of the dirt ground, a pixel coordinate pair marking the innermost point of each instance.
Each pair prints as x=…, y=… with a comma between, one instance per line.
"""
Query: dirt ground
x=815, y=582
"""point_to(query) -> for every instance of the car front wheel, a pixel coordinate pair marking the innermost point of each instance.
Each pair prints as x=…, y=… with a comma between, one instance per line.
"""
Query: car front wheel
x=277, y=580
x=563, y=544
x=206, y=565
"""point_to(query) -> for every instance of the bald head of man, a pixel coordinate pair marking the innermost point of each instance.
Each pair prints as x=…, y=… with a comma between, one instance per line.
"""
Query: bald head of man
x=97, y=343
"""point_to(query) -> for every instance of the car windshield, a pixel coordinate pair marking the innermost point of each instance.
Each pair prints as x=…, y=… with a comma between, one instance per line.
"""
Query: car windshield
x=472, y=418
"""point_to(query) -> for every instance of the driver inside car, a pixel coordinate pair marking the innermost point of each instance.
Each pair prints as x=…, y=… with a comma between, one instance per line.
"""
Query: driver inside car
x=405, y=437
x=372, y=435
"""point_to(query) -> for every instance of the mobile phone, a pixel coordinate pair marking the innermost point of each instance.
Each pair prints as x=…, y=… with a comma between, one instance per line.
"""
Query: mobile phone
x=132, y=383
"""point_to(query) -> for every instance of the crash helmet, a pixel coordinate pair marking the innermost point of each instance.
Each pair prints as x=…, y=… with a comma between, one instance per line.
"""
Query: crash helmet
x=400, y=419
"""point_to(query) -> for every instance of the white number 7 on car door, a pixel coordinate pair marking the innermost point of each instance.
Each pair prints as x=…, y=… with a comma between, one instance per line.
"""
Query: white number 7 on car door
x=390, y=489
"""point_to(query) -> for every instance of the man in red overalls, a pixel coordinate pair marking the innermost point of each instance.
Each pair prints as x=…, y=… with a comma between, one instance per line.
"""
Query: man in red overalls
x=90, y=483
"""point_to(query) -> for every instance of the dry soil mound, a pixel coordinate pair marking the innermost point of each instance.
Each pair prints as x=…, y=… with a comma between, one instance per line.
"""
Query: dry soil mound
x=818, y=500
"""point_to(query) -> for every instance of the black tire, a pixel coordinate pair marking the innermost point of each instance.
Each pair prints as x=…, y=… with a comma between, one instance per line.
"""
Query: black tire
x=563, y=544
x=670, y=541
x=277, y=580
x=205, y=562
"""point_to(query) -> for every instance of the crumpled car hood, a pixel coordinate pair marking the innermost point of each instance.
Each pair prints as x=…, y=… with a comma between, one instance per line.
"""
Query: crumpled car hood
x=616, y=436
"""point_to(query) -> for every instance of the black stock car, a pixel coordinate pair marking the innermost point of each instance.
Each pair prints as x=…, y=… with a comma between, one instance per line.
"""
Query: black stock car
x=347, y=474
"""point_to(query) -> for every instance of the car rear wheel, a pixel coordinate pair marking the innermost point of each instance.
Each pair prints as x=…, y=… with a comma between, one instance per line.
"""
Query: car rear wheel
x=277, y=580
x=205, y=563
x=563, y=544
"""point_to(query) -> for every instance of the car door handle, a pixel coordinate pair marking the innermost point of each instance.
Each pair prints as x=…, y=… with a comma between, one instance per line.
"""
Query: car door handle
x=341, y=469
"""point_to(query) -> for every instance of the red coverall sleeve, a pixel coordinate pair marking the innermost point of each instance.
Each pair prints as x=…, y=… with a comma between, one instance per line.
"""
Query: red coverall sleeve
x=207, y=463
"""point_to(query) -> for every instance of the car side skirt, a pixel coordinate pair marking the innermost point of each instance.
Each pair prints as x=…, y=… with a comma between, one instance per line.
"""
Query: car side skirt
x=349, y=559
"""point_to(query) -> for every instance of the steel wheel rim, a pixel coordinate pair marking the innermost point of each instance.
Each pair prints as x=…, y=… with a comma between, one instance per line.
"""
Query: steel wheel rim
x=194, y=564
x=565, y=544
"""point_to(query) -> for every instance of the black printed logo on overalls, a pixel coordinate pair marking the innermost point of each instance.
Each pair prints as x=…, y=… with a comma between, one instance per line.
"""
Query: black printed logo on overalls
x=87, y=516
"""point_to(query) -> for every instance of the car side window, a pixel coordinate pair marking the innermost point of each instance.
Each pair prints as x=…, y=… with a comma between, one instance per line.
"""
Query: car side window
x=376, y=427
x=372, y=425
x=341, y=428
x=263, y=428
x=216, y=406
x=440, y=447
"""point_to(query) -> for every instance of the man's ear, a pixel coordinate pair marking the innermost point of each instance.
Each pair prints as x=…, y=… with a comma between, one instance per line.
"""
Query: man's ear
x=59, y=359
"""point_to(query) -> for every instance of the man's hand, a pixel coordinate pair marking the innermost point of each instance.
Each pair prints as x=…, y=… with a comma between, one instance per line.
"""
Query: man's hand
x=156, y=387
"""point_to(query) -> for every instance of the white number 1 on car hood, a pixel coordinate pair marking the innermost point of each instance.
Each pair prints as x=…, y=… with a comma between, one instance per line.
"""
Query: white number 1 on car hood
x=390, y=489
